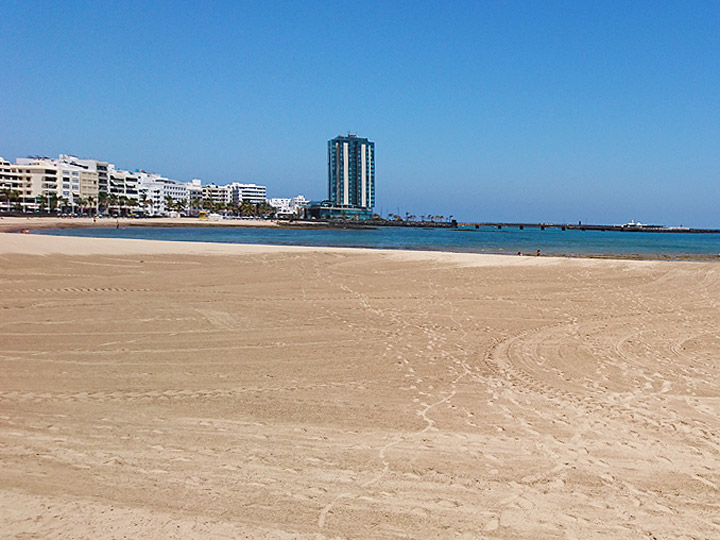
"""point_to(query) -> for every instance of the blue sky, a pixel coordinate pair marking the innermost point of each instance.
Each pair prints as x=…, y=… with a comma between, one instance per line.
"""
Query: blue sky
x=516, y=111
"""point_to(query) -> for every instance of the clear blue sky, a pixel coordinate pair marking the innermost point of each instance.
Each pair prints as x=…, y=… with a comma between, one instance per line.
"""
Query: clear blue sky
x=539, y=111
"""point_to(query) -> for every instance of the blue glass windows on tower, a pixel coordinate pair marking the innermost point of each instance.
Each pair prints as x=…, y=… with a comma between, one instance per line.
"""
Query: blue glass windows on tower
x=351, y=172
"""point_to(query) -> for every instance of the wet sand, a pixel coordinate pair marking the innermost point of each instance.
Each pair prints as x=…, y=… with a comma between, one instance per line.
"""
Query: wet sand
x=173, y=390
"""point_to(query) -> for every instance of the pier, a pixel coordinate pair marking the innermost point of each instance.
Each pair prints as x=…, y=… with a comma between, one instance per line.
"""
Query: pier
x=585, y=227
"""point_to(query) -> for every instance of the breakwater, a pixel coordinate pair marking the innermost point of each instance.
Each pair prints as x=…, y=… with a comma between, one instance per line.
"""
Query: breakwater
x=588, y=227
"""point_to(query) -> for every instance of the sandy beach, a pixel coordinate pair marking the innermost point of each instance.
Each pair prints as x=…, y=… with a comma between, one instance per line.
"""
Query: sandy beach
x=17, y=224
x=187, y=390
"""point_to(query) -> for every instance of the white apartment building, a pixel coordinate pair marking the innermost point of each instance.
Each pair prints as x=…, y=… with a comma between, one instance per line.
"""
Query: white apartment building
x=235, y=193
x=194, y=189
x=49, y=177
x=288, y=207
x=217, y=194
x=123, y=183
x=34, y=180
x=157, y=189
x=247, y=192
x=12, y=186
x=90, y=165
x=71, y=178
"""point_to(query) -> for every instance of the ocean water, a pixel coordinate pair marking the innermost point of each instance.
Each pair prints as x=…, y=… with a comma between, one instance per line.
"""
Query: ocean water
x=509, y=240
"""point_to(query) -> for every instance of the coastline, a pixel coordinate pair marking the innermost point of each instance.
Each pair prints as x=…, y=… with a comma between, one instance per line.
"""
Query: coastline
x=29, y=224
x=21, y=244
x=18, y=224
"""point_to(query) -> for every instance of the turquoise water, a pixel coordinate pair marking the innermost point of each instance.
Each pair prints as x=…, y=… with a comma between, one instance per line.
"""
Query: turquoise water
x=483, y=240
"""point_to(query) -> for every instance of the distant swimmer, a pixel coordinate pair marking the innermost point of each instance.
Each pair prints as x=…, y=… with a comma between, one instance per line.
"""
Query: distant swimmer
x=538, y=253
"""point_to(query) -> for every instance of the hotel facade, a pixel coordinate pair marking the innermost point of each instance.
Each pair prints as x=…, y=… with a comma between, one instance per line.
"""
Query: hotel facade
x=351, y=172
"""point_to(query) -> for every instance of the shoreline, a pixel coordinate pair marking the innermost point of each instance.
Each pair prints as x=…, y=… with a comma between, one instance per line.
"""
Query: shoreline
x=20, y=244
x=14, y=225
x=45, y=245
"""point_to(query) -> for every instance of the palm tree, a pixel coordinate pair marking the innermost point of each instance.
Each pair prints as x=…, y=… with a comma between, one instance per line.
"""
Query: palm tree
x=9, y=196
x=232, y=208
x=81, y=204
x=169, y=203
x=103, y=201
x=247, y=208
x=60, y=202
x=5, y=196
x=124, y=203
x=264, y=209
x=52, y=202
x=41, y=203
x=91, y=203
x=112, y=202
x=180, y=205
x=144, y=201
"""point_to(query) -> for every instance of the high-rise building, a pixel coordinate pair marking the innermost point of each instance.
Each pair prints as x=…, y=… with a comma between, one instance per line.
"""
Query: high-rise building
x=351, y=172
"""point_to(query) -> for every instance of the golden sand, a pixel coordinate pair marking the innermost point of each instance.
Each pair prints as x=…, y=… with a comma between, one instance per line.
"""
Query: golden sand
x=17, y=224
x=171, y=390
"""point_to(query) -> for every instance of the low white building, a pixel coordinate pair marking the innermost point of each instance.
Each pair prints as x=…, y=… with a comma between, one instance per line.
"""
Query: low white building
x=288, y=207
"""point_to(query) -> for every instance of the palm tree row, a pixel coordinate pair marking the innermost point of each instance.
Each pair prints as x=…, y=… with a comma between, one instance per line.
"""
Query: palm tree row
x=122, y=205
x=244, y=208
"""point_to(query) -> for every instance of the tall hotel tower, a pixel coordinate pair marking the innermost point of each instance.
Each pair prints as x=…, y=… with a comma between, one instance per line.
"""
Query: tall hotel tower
x=351, y=172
